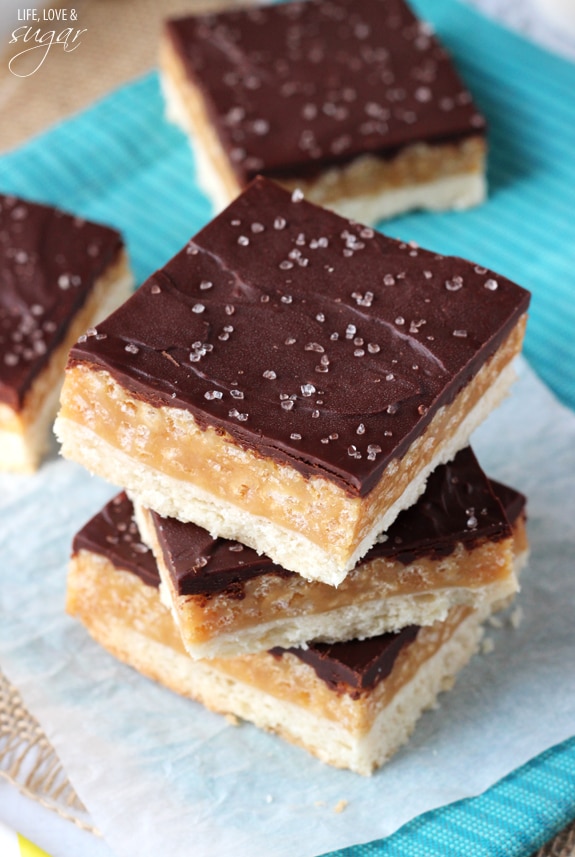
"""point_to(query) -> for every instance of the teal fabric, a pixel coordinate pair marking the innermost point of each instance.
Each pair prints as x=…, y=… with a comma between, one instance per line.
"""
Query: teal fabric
x=512, y=819
x=121, y=163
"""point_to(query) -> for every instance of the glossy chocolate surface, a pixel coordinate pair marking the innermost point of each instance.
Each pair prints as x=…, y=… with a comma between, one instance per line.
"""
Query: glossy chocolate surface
x=457, y=507
x=309, y=339
x=514, y=502
x=295, y=87
x=49, y=261
x=357, y=664
x=114, y=534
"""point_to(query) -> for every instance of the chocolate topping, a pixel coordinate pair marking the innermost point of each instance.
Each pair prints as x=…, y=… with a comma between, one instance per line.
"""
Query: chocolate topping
x=294, y=87
x=49, y=261
x=113, y=533
x=457, y=507
x=513, y=501
x=308, y=338
x=357, y=664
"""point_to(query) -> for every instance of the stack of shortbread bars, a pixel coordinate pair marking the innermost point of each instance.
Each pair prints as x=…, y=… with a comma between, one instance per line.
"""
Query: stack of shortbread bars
x=305, y=540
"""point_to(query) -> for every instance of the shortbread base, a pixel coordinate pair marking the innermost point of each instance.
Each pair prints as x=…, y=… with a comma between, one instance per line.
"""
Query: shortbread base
x=25, y=433
x=278, y=694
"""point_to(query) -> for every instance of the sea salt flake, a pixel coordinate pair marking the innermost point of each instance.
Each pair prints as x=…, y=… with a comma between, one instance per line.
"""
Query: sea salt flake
x=234, y=413
x=423, y=94
x=261, y=126
x=454, y=285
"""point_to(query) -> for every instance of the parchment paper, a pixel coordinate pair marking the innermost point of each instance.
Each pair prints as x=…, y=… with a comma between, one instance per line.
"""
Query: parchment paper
x=160, y=775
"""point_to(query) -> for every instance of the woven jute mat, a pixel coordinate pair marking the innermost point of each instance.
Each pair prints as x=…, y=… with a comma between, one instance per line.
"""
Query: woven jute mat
x=29, y=762
x=120, y=43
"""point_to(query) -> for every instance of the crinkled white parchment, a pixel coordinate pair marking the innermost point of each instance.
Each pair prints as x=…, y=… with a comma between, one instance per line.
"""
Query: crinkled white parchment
x=160, y=775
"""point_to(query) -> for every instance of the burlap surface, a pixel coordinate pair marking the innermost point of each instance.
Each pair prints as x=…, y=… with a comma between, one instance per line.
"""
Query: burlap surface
x=120, y=43
x=29, y=762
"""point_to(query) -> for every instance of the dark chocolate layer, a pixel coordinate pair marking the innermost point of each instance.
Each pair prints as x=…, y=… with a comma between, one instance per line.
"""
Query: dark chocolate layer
x=297, y=86
x=49, y=261
x=514, y=502
x=356, y=664
x=458, y=507
x=113, y=533
x=309, y=339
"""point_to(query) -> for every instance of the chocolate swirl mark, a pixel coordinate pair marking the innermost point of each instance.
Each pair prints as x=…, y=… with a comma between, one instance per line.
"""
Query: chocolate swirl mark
x=39, y=43
x=360, y=385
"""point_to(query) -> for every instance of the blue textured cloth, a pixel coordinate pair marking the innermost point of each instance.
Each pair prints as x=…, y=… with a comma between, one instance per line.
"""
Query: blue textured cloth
x=120, y=163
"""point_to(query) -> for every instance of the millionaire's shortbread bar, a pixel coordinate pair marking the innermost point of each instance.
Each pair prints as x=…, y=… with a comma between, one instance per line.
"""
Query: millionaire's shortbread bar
x=59, y=274
x=290, y=379
x=354, y=101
